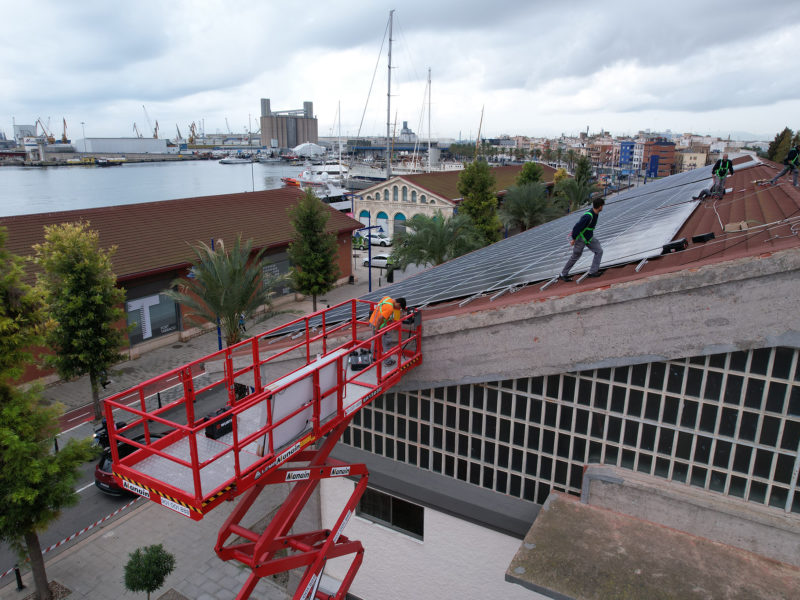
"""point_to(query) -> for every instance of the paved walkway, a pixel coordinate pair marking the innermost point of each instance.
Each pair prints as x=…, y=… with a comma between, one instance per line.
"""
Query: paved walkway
x=93, y=567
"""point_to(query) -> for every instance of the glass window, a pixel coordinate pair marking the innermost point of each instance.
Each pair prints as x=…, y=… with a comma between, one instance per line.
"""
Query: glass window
x=392, y=512
x=405, y=194
x=423, y=199
x=413, y=196
x=394, y=193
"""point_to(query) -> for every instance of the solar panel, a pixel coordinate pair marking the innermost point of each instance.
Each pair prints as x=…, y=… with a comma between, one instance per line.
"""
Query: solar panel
x=634, y=225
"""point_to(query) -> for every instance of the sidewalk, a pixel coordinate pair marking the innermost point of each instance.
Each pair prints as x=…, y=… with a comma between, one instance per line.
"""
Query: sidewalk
x=93, y=568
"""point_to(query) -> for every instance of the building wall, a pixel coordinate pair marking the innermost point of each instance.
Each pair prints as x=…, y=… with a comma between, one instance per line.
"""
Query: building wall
x=288, y=131
x=123, y=145
x=455, y=559
x=403, y=199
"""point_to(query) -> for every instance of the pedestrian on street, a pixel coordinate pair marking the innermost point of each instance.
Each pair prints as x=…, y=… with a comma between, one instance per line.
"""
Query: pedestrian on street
x=582, y=236
x=721, y=169
x=241, y=323
x=792, y=161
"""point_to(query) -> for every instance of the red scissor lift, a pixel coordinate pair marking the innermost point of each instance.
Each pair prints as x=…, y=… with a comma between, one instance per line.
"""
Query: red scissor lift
x=201, y=440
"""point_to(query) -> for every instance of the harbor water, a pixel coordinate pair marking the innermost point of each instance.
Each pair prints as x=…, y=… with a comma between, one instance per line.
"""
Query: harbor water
x=27, y=190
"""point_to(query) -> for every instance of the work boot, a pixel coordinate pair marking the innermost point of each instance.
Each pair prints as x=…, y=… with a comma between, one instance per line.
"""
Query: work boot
x=596, y=273
x=563, y=277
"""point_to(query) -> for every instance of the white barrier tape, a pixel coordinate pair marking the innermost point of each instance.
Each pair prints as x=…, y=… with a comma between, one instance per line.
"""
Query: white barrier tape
x=74, y=535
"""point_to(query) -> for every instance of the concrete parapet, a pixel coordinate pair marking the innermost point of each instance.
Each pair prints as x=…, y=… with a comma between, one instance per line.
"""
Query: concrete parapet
x=745, y=525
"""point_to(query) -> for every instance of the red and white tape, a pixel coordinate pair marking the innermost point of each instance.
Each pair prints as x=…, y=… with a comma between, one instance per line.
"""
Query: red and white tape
x=74, y=535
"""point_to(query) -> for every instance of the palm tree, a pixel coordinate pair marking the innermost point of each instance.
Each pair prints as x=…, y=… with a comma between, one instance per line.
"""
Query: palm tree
x=223, y=285
x=574, y=192
x=526, y=206
x=571, y=154
x=434, y=240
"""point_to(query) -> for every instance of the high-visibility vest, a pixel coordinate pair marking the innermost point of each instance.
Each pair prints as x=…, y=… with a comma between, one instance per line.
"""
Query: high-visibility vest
x=588, y=228
x=379, y=318
x=793, y=162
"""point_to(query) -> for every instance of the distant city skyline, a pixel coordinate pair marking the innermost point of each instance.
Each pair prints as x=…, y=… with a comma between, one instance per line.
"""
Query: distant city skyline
x=533, y=68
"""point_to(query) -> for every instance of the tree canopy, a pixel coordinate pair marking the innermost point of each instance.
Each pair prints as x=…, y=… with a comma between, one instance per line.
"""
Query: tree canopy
x=574, y=193
x=527, y=206
x=147, y=568
x=583, y=170
x=21, y=314
x=35, y=484
x=476, y=184
x=313, y=251
x=780, y=146
x=434, y=240
x=224, y=284
x=531, y=173
x=79, y=288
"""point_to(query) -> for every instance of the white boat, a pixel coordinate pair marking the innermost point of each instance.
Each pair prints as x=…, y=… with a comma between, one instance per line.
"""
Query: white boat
x=235, y=160
x=268, y=159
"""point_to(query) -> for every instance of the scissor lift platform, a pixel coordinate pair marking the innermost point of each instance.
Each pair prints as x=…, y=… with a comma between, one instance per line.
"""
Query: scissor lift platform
x=212, y=438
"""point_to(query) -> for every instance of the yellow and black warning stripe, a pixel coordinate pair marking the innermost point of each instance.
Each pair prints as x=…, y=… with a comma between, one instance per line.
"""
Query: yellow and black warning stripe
x=159, y=493
x=410, y=363
x=217, y=495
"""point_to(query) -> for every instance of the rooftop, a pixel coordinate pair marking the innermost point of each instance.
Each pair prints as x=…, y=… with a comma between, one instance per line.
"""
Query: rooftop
x=157, y=236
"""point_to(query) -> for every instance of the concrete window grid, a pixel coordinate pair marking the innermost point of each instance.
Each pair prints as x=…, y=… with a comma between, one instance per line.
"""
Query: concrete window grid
x=671, y=419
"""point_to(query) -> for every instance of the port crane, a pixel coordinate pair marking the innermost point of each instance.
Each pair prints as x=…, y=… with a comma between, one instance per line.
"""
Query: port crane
x=64, y=139
x=48, y=136
x=136, y=131
x=192, y=133
x=150, y=124
x=284, y=398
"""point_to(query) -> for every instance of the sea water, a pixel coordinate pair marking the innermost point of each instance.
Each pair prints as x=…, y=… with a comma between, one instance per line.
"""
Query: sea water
x=27, y=190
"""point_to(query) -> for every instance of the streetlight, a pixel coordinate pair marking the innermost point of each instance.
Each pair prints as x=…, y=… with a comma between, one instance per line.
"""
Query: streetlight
x=83, y=129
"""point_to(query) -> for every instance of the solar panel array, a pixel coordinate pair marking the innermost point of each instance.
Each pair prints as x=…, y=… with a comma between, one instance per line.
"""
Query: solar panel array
x=634, y=225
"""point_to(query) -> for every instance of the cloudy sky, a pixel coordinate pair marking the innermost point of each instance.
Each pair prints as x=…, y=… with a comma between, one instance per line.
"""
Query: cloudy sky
x=538, y=68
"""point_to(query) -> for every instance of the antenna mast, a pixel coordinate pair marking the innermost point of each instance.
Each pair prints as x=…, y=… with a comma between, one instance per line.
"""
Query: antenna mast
x=429, y=119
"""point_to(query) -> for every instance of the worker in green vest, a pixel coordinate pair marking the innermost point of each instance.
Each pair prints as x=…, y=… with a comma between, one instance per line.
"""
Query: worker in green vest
x=792, y=162
x=721, y=169
x=583, y=237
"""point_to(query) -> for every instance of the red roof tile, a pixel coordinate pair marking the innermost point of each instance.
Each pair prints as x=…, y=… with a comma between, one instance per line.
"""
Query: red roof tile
x=156, y=236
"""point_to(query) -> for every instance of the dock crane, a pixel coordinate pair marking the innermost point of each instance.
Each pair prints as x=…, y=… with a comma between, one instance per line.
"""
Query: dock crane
x=279, y=402
x=48, y=136
x=136, y=131
x=150, y=123
x=64, y=139
x=178, y=129
x=192, y=133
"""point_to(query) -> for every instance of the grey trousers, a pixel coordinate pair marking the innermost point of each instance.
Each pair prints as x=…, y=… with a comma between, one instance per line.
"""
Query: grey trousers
x=577, y=250
x=786, y=169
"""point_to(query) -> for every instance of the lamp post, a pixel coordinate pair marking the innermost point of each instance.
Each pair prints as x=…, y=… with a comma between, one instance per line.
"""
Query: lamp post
x=83, y=129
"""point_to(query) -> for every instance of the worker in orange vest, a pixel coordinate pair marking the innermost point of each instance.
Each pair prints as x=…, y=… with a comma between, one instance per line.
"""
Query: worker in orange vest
x=386, y=311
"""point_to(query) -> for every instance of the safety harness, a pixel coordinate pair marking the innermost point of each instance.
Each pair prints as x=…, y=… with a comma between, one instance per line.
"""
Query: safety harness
x=377, y=319
x=588, y=228
x=722, y=171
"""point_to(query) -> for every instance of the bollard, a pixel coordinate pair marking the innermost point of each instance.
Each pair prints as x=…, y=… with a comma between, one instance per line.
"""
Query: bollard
x=20, y=585
x=158, y=395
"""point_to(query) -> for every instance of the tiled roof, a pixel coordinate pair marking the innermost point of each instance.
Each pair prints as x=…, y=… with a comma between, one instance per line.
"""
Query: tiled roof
x=156, y=236
x=445, y=184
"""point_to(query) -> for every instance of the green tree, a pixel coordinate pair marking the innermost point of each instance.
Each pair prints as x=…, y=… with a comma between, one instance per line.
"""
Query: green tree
x=35, y=484
x=531, y=173
x=147, y=568
x=21, y=314
x=779, y=147
x=573, y=193
x=225, y=284
x=571, y=156
x=313, y=252
x=79, y=287
x=583, y=170
x=434, y=240
x=526, y=206
x=476, y=186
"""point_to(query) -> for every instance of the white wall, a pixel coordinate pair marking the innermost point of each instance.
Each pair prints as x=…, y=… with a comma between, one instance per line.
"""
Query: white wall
x=456, y=560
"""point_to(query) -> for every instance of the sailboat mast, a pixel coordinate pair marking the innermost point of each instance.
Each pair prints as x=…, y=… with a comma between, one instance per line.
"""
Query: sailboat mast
x=389, y=103
x=429, y=119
